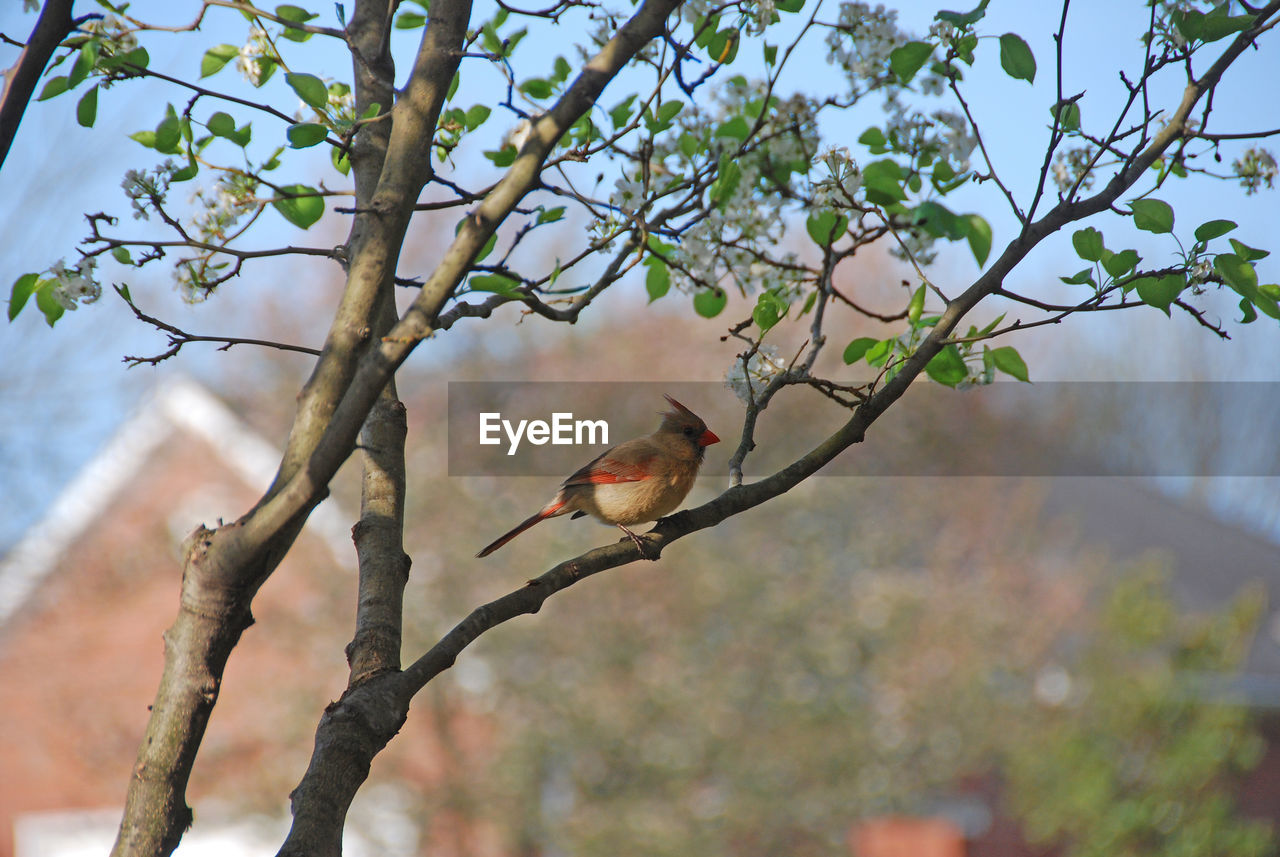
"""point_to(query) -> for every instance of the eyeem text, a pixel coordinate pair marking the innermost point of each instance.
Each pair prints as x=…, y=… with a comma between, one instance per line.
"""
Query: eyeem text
x=562, y=430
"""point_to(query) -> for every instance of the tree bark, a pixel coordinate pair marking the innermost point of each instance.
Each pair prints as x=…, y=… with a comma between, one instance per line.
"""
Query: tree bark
x=53, y=25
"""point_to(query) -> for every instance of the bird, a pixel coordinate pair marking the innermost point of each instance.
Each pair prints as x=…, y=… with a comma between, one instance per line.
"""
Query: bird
x=634, y=482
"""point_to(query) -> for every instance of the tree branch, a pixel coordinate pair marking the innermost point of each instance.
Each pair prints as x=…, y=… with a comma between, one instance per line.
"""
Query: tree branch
x=53, y=25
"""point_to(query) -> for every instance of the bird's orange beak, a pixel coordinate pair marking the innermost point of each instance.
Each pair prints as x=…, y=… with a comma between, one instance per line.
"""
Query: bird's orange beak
x=707, y=438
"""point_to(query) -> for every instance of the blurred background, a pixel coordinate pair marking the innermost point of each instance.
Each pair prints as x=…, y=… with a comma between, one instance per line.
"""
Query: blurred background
x=880, y=663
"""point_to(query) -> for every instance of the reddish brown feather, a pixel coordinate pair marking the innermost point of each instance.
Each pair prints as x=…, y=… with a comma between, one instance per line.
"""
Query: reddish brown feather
x=607, y=471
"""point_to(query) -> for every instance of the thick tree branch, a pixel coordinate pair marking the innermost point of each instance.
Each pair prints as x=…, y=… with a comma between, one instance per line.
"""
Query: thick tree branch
x=53, y=25
x=224, y=568
x=354, y=729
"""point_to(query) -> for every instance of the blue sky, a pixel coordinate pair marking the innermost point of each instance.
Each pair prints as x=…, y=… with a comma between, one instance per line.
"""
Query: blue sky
x=63, y=390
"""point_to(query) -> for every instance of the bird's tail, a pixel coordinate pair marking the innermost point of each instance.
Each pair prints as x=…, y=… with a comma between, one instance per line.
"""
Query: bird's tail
x=550, y=510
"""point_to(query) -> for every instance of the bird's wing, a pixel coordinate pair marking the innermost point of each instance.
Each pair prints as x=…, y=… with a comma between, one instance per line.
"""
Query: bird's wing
x=609, y=468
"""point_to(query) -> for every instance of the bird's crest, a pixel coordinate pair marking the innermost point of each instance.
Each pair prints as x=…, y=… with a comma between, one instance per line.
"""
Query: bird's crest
x=679, y=412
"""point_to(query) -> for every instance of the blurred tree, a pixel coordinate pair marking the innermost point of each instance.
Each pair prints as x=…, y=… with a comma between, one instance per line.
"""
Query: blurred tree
x=697, y=174
x=729, y=707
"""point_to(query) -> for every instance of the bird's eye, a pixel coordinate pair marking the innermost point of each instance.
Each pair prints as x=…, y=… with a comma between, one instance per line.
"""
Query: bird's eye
x=690, y=430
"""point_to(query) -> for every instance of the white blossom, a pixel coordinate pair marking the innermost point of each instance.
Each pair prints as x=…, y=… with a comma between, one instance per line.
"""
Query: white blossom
x=843, y=179
x=747, y=382
x=146, y=190
x=764, y=12
x=1255, y=168
x=863, y=38
x=251, y=54
x=628, y=194
x=76, y=285
x=231, y=197
x=1070, y=166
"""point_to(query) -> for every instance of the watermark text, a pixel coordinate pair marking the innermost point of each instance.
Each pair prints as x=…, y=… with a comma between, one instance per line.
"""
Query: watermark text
x=562, y=430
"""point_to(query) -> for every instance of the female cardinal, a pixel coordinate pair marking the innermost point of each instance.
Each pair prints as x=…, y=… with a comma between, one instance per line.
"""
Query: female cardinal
x=634, y=482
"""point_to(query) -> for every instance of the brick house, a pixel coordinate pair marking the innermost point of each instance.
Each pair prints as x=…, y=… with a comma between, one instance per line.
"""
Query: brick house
x=87, y=594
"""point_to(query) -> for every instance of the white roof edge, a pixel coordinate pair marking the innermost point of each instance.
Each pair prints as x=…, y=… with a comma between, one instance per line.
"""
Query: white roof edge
x=178, y=404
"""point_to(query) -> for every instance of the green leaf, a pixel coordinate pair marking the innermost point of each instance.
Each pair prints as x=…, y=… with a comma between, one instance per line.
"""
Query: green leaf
x=310, y=89
x=883, y=182
x=826, y=227
x=1249, y=254
x=146, y=138
x=551, y=215
x=857, y=349
x=1250, y=314
x=906, y=60
x=85, y=61
x=504, y=157
x=536, y=87
x=339, y=159
x=873, y=138
x=765, y=315
x=1088, y=244
x=727, y=180
x=410, y=20
x=939, y=221
x=916, y=305
x=710, y=303
x=1010, y=362
x=1238, y=273
x=1194, y=25
x=1160, y=292
x=1068, y=115
x=306, y=135
x=1080, y=278
x=295, y=13
x=1016, y=58
x=221, y=125
x=562, y=69
x=1212, y=229
x=487, y=248
x=187, y=173
x=770, y=54
x=667, y=113
x=216, y=58
x=947, y=366
x=497, y=283
x=127, y=63
x=966, y=19
x=1116, y=264
x=724, y=47
x=303, y=208
x=121, y=255
x=792, y=6
x=21, y=291
x=476, y=116
x=298, y=15
x=737, y=127
x=48, y=304
x=658, y=281
x=1215, y=27
x=1267, y=299
x=978, y=231
x=56, y=86
x=87, y=108
x=621, y=112
x=689, y=145
x=266, y=69
x=878, y=354
x=1152, y=215
x=168, y=133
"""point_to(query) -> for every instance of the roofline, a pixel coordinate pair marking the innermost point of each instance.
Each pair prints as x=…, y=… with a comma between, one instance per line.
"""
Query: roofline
x=178, y=404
